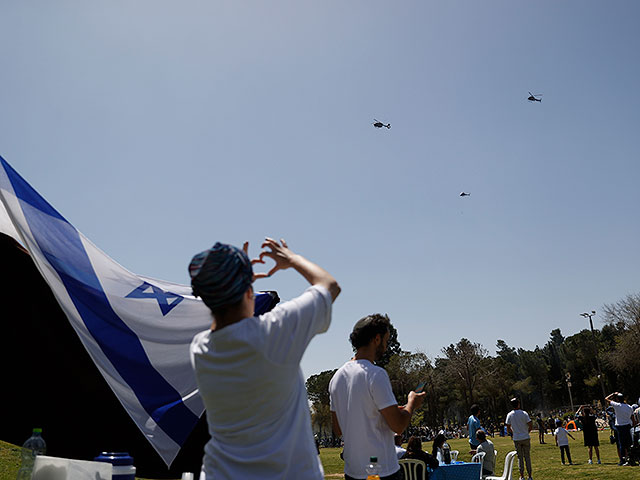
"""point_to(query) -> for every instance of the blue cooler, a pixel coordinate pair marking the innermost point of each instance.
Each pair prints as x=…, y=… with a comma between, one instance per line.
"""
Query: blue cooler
x=123, y=468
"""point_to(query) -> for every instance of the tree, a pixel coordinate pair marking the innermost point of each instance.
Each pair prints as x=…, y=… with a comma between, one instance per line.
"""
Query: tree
x=624, y=359
x=556, y=358
x=393, y=348
x=318, y=387
x=465, y=363
x=318, y=393
x=507, y=353
x=497, y=387
x=535, y=371
x=321, y=417
x=405, y=371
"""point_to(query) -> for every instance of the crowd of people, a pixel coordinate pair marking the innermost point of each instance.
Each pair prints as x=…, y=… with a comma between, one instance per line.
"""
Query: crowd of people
x=243, y=355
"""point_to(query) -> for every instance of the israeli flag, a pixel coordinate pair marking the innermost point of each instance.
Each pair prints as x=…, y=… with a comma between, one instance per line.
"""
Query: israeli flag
x=136, y=329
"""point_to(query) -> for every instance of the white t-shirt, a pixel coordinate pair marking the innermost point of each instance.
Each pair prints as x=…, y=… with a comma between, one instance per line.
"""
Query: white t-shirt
x=561, y=436
x=249, y=378
x=623, y=413
x=400, y=452
x=519, y=421
x=358, y=391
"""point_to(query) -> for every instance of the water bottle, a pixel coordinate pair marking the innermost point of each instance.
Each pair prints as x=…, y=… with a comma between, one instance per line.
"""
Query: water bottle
x=372, y=469
x=446, y=453
x=35, y=445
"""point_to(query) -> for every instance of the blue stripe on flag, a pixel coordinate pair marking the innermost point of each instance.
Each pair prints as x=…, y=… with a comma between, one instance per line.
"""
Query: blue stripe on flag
x=60, y=243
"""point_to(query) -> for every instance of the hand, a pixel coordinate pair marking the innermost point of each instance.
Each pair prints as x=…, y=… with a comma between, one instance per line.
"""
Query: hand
x=278, y=252
x=245, y=248
x=415, y=399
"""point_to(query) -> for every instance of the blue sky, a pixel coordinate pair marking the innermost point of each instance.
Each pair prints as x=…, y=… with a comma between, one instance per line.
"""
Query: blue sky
x=158, y=128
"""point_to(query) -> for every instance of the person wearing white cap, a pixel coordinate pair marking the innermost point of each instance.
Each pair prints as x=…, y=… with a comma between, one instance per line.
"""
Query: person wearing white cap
x=623, y=424
x=519, y=425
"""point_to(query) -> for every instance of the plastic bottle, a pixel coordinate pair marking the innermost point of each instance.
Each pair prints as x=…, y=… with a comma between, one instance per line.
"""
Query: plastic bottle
x=35, y=445
x=372, y=469
x=446, y=453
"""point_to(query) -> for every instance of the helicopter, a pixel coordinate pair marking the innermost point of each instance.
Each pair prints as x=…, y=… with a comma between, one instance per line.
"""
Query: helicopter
x=465, y=194
x=379, y=124
x=533, y=98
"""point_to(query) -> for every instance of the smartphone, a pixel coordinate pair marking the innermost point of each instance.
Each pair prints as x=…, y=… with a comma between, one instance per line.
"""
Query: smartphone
x=420, y=387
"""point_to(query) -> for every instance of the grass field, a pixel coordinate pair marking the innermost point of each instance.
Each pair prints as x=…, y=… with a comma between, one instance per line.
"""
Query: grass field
x=545, y=460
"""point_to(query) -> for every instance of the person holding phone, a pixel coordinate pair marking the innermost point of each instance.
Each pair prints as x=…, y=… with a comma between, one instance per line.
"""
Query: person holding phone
x=363, y=407
x=248, y=367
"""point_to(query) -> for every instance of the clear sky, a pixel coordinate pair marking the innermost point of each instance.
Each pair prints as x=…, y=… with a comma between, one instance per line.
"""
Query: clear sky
x=160, y=127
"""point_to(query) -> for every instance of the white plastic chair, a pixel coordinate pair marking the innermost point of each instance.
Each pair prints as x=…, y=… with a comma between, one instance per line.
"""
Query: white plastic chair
x=454, y=455
x=410, y=468
x=508, y=468
x=479, y=458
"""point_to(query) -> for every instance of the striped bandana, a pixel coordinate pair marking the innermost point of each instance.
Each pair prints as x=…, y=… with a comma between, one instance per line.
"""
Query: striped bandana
x=220, y=275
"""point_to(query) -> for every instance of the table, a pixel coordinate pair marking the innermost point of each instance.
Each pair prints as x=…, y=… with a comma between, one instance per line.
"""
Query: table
x=456, y=471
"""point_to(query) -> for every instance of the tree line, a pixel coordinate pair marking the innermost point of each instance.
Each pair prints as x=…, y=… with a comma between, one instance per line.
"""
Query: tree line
x=579, y=369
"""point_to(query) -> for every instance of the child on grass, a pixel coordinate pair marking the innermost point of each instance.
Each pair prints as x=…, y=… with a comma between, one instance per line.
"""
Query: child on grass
x=562, y=440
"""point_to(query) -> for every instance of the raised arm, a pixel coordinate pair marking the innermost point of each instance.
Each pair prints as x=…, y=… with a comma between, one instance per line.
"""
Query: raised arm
x=285, y=258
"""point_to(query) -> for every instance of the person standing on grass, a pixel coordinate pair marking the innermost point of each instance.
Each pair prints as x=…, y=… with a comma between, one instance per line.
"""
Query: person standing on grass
x=562, y=441
x=623, y=424
x=541, y=428
x=519, y=425
x=363, y=407
x=248, y=367
x=589, y=431
x=474, y=425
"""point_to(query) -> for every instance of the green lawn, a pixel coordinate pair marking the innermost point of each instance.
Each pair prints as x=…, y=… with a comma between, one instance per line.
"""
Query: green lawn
x=545, y=460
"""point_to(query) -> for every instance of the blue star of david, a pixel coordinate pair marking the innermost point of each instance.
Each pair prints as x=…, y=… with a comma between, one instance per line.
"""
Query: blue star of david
x=146, y=290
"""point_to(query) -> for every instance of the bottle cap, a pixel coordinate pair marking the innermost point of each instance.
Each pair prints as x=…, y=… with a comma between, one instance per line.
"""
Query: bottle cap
x=37, y=430
x=373, y=459
x=115, y=458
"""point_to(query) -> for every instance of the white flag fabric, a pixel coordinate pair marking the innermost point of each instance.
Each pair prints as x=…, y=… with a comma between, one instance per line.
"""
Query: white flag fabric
x=136, y=329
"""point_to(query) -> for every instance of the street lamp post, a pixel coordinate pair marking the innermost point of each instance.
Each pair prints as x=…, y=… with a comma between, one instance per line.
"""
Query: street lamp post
x=568, y=378
x=595, y=346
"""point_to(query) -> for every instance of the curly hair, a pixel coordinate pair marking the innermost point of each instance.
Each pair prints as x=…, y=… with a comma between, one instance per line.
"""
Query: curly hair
x=367, y=328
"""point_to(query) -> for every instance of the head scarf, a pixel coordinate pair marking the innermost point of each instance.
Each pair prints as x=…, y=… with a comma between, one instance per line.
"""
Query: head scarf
x=220, y=275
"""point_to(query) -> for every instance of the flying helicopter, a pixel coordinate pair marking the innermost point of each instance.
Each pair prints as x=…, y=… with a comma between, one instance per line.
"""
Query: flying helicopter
x=379, y=124
x=533, y=98
x=465, y=194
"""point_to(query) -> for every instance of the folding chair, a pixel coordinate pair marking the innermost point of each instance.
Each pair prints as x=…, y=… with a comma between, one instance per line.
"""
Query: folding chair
x=508, y=468
x=479, y=458
x=411, y=470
